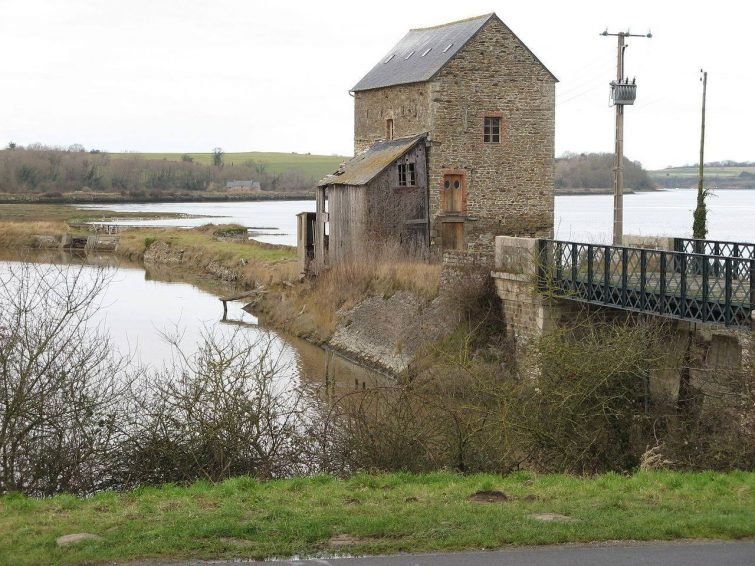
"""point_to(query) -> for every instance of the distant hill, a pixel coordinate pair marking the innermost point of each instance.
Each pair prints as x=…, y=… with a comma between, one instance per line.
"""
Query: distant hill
x=37, y=171
x=717, y=175
x=314, y=166
x=593, y=172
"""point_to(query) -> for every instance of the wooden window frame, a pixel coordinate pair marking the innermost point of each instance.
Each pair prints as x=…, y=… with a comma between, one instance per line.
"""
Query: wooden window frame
x=407, y=175
x=389, y=129
x=489, y=120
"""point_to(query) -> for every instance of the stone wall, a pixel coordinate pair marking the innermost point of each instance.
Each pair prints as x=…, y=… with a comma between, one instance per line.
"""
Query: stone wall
x=648, y=242
x=388, y=332
x=407, y=105
x=527, y=313
x=467, y=272
x=509, y=184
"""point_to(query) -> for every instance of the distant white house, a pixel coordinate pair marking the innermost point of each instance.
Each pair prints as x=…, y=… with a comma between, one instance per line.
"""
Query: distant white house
x=243, y=185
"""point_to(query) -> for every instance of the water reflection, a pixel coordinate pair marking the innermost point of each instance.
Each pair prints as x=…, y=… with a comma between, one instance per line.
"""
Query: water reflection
x=144, y=310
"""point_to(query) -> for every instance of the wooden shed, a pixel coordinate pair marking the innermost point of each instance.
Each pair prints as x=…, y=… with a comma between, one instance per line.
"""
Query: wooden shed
x=379, y=196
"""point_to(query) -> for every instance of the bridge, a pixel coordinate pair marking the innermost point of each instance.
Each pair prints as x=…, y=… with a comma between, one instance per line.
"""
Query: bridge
x=698, y=280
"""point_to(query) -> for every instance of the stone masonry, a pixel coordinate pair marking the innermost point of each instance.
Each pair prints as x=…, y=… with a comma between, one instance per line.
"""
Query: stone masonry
x=527, y=313
x=508, y=185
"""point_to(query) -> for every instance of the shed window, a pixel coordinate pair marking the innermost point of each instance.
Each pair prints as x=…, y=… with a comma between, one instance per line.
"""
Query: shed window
x=389, y=129
x=406, y=175
x=492, y=130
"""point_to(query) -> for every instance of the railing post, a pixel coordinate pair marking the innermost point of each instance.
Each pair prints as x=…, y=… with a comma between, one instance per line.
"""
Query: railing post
x=752, y=293
x=606, y=273
x=559, y=266
x=705, y=313
x=574, y=262
x=683, y=282
x=542, y=258
x=643, y=277
x=624, y=275
x=662, y=290
x=727, y=297
x=716, y=262
x=590, y=274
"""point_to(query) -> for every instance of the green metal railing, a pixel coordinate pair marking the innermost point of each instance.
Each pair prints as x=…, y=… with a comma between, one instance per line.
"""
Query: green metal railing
x=676, y=284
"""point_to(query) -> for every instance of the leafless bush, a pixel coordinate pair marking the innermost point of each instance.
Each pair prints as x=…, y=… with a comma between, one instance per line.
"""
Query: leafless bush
x=443, y=414
x=585, y=410
x=60, y=386
x=716, y=429
x=229, y=409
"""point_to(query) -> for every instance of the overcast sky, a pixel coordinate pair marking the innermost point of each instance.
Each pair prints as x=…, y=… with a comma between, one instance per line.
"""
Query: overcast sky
x=191, y=75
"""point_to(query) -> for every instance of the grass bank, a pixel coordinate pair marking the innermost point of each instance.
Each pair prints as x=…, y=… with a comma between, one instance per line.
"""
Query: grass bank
x=243, y=518
x=274, y=162
x=33, y=212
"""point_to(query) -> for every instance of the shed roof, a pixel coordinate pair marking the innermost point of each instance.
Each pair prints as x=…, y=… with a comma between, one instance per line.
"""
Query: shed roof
x=364, y=167
x=423, y=52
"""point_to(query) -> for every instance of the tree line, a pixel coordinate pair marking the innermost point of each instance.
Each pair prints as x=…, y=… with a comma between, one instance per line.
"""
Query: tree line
x=51, y=171
x=595, y=171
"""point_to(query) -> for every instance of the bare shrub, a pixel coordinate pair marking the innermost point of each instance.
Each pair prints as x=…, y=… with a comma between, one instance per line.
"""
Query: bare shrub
x=442, y=414
x=60, y=387
x=719, y=434
x=229, y=409
x=581, y=412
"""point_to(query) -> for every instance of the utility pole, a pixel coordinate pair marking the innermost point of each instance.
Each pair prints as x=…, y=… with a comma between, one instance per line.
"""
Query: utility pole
x=622, y=93
x=700, y=224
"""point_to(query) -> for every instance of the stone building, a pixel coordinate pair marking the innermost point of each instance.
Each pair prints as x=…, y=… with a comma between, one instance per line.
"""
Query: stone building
x=454, y=141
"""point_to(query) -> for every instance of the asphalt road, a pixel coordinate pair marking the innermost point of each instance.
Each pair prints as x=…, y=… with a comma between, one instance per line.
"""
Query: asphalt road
x=741, y=553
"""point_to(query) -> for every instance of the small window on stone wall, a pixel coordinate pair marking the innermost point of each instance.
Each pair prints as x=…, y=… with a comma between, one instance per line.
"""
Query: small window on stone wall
x=389, y=129
x=492, y=130
x=406, y=175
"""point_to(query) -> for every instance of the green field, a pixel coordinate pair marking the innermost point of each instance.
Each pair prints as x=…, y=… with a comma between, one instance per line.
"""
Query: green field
x=709, y=171
x=375, y=514
x=734, y=177
x=308, y=165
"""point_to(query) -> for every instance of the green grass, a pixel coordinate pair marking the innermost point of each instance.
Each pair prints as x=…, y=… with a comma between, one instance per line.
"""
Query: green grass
x=201, y=242
x=709, y=171
x=25, y=212
x=307, y=164
x=243, y=518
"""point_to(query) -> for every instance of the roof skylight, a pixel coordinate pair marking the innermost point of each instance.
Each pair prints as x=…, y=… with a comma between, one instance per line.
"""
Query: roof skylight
x=427, y=51
x=449, y=46
x=391, y=56
x=410, y=54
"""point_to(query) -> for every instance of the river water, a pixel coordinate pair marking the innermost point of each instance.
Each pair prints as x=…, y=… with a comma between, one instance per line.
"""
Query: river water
x=587, y=218
x=140, y=309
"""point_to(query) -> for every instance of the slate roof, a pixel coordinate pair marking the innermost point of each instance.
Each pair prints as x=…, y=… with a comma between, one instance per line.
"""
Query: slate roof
x=410, y=61
x=418, y=68
x=361, y=169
